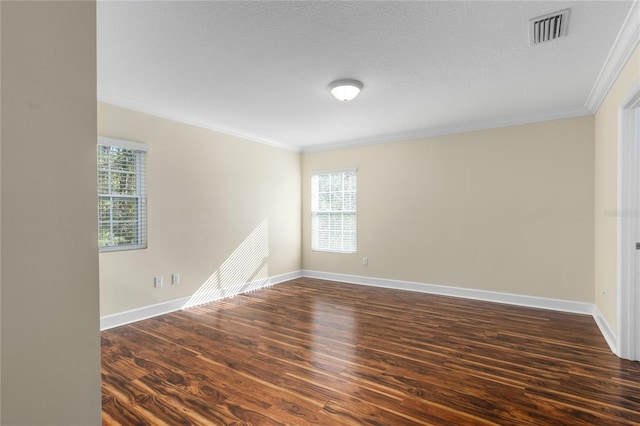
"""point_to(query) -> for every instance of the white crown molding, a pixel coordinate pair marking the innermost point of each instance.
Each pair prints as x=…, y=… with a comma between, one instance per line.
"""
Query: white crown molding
x=162, y=112
x=144, y=312
x=451, y=130
x=624, y=46
x=398, y=137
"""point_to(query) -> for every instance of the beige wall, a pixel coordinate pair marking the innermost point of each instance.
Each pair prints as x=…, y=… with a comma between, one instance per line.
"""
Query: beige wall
x=0, y=217
x=606, y=189
x=50, y=328
x=508, y=210
x=207, y=192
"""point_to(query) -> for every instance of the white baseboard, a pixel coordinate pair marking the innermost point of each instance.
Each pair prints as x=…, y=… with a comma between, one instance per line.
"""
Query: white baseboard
x=277, y=279
x=605, y=329
x=489, y=296
x=138, y=314
x=127, y=317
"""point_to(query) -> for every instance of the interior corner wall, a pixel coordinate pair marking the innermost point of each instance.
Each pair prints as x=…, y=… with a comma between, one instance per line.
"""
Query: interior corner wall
x=209, y=194
x=49, y=257
x=506, y=210
x=0, y=217
x=606, y=190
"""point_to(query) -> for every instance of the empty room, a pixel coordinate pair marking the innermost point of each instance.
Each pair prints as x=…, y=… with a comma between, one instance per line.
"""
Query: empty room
x=314, y=212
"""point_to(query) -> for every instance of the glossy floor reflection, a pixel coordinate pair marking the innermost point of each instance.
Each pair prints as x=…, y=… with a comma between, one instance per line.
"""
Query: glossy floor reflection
x=317, y=352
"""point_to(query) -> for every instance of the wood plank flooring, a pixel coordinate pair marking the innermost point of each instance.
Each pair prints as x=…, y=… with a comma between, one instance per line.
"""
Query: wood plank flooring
x=318, y=352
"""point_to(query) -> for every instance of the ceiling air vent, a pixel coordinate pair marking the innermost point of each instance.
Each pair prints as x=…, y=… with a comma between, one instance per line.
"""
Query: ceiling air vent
x=548, y=27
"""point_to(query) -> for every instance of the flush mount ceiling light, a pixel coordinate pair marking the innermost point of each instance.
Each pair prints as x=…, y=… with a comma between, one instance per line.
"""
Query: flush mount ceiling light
x=345, y=90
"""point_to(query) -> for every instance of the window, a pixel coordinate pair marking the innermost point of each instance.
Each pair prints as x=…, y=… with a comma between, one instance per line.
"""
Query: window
x=122, y=209
x=333, y=210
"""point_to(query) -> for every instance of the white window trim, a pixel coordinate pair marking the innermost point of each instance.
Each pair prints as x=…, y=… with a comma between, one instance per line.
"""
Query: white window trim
x=346, y=169
x=313, y=212
x=124, y=144
x=134, y=146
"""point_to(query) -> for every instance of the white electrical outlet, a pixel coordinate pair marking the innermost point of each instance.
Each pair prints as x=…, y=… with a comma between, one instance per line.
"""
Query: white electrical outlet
x=157, y=281
x=365, y=261
x=175, y=278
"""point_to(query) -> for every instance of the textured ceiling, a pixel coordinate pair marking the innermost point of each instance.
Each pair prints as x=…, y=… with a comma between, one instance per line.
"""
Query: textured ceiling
x=261, y=69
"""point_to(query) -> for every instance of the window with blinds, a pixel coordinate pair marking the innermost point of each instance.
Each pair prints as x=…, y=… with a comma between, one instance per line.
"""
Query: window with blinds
x=333, y=210
x=122, y=209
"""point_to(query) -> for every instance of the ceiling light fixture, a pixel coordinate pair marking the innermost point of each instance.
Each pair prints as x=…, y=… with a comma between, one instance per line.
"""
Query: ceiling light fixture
x=345, y=90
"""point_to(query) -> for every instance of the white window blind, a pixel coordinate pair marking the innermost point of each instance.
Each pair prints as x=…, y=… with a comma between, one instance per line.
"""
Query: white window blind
x=333, y=209
x=122, y=204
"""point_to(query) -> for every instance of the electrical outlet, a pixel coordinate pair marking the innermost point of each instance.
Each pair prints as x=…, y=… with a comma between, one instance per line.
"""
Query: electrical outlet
x=175, y=278
x=365, y=261
x=157, y=281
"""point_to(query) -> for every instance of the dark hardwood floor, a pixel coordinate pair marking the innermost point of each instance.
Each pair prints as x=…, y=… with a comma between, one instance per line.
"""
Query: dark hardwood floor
x=318, y=352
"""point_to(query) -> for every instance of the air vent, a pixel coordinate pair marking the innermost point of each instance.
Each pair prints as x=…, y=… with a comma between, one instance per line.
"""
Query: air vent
x=548, y=27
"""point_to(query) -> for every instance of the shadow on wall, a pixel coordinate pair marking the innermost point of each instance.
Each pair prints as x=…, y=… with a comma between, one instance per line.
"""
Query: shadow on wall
x=245, y=270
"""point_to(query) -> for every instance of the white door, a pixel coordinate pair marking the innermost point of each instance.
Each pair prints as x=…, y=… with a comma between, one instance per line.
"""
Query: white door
x=634, y=316
x=628, y=332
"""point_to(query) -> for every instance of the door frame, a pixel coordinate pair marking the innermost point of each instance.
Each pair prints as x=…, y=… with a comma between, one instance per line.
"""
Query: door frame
x=628, y=262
